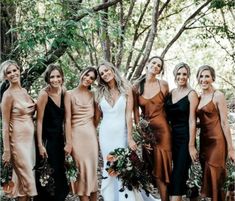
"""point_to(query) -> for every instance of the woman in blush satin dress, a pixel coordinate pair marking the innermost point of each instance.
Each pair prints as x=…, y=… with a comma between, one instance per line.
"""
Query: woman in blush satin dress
x=80, y=111
x=215, y=136
x=50, y=133
x=181, y=107
x=149, y=95
x=18, y=133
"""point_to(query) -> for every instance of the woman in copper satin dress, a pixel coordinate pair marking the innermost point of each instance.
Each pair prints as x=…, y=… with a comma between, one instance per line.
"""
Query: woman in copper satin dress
x=149, y=95
x=80, y=110
x=215, y=136
x=18, y=133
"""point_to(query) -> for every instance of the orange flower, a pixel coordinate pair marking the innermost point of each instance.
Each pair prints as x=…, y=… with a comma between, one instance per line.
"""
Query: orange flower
x=8, y=187
x=111, y=158
x=112, y=173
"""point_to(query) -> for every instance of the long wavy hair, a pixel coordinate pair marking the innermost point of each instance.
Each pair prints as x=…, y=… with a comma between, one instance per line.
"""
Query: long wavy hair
x=103, y=89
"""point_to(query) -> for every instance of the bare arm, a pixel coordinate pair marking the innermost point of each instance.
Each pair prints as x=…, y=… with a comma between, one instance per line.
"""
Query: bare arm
x=41, y=104
x=164, y=87
x=98, y=114
x=129, y=121
x=68, y=129
x=6, y=105
x=222, y=107
x=193, y=99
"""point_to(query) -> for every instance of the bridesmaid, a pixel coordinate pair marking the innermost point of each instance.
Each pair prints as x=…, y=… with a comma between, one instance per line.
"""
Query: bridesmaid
x=215, y=136
x=18, y=133
x=50, y=134
x=181, y=107
x=149, y=95
x=80, y=110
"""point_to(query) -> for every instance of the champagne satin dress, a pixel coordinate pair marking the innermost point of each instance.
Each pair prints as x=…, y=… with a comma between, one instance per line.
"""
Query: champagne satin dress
x=85, y=146
x=212, y=151
x=153, y=110
x=22, y=145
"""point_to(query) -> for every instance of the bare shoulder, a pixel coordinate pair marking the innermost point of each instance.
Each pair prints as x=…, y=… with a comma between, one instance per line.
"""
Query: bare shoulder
x=7, y=95
x=219, y=96
x=43, y=93
x=193, y=94
x=163, y=83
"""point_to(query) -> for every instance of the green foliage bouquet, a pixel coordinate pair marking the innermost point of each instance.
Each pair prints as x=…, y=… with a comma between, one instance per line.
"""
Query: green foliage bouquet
x=194, y=181
x=127, y=166
x=229, y=184
x=71, y=170
x=6, y=177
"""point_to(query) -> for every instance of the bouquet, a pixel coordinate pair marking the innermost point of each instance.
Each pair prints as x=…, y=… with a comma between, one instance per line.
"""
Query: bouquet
x=45, y=176
x=143, y=133
x=71, y=170
x=6, y=177
x=229, y=184
x=127, y=166
x=194, y=181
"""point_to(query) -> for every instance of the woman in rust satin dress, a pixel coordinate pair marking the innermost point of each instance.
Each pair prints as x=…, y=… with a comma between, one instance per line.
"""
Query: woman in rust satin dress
x=80, y=111
x=18, y=133
x=215, y=136
x=149, y=95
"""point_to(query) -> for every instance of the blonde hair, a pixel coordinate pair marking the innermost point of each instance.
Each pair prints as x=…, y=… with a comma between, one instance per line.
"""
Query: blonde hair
x=4, y=67
x=206, y=67
x=103, y=90
x=179, y=66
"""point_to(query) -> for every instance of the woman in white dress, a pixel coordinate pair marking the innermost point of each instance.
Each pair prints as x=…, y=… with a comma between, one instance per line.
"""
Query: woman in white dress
x=115, y=100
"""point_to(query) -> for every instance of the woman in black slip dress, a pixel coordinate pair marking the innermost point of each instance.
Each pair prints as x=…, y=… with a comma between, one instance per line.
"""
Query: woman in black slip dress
x=50, y=135
x=181, y=113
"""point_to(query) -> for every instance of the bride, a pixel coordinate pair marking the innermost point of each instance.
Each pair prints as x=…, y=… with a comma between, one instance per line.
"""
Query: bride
x=115, y=101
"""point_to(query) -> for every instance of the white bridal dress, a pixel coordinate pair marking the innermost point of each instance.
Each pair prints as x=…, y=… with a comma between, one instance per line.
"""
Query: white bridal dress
x=112, y=135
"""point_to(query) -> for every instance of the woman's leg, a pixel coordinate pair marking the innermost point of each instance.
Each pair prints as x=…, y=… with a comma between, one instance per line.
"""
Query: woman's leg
x=84, y=198
x=162, y=186
x=93, y=196
x=176, y=198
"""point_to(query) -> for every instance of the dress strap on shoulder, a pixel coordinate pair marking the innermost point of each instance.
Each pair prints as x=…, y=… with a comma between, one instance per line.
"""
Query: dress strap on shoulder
x=159, y=84
x=213, y=95
x=190, y=91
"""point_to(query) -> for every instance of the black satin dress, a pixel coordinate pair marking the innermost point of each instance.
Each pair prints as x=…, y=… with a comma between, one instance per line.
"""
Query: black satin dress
x=178, y=116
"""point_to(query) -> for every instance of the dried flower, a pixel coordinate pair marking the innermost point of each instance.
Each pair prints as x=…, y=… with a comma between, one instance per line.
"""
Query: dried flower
x=46, y=180
x=71, y=170
x=229, y=184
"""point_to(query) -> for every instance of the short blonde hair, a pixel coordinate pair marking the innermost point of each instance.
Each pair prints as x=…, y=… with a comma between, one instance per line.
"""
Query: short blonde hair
x=4, y=66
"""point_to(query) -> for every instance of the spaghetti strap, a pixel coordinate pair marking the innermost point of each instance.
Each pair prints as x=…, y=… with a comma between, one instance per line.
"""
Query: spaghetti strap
x=159, y=85
x=190, y=91
x=213, y=95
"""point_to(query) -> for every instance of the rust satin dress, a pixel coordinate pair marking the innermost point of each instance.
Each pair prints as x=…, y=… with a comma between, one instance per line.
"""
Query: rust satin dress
x=153, y=110
x=23, y=145
x=85, y=146
x=212, y=151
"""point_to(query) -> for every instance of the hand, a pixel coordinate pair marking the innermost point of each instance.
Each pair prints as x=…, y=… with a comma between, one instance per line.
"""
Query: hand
x=68, y=148
x=42, y=151
x=132, y=144
x=231, y=155
x=6, y=157
x=193, y=153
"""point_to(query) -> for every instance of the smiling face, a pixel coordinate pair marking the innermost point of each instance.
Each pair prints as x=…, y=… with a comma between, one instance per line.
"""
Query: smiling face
x=88, y=78
x=182, y=76
x=12, y=74
x=154, y=66
x=55, y=79
x=106, y=73
x=205, y=79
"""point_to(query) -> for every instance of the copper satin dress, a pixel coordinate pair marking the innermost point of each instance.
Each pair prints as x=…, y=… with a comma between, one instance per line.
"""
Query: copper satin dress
x=153, y=110
x=212, y=151
x=85, y=146
x=22, y=145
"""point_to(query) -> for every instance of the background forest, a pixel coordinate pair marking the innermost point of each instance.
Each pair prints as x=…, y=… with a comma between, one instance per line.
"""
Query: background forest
x=80, y=33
